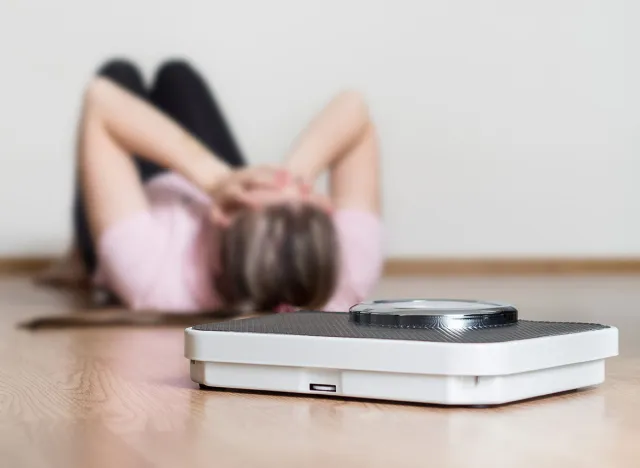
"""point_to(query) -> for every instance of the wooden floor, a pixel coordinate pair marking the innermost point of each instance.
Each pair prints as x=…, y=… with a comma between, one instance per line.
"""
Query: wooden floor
x=123, y=398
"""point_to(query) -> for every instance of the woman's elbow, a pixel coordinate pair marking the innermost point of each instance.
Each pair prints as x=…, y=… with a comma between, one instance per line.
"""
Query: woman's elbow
x=95, y=92
x=355, y=103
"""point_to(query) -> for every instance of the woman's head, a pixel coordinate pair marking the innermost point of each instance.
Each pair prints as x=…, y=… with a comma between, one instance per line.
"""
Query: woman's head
x=284, y=253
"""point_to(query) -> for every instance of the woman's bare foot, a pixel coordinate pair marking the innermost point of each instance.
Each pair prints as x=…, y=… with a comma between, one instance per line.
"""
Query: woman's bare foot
x=68, y=272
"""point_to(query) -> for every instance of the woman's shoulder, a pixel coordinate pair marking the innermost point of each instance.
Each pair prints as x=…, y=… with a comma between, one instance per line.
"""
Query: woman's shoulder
x=140, y=256
x=361, y=240
x=355, y=217
x=355, y=225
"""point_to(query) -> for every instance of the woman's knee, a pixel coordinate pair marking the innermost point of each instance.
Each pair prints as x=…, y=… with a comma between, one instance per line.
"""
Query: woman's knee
x=177, y=72
x=123, y=72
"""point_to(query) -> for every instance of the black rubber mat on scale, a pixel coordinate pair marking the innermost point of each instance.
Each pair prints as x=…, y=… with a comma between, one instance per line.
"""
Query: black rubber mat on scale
x=338, y=325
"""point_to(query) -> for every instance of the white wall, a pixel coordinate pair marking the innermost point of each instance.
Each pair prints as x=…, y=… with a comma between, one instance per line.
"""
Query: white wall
x=510, y=127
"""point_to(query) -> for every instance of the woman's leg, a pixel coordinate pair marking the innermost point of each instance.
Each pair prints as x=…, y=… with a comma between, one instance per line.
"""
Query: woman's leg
x=183, y=94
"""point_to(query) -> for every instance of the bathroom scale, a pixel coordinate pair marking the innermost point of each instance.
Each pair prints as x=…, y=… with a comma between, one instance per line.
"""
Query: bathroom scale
x=449, y=352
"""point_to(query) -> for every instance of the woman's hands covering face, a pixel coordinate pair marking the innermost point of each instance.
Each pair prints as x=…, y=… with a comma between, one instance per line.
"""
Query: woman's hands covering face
x=256, y=187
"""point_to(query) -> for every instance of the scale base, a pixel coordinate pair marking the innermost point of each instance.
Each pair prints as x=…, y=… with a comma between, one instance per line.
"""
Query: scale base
x=417, y=388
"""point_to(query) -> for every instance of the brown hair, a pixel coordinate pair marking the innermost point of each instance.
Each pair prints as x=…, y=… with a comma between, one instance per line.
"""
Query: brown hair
x=281, y=255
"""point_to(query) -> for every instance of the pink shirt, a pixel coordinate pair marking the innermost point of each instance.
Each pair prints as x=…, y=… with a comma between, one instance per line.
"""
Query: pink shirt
x=158, y=259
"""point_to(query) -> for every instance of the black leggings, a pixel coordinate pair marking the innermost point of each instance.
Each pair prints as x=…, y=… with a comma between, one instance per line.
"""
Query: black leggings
x=180, y=92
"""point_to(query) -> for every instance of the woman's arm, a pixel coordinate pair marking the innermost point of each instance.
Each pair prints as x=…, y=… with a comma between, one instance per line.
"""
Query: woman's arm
x=343, y=140
x=115, y=125
x=141, y=129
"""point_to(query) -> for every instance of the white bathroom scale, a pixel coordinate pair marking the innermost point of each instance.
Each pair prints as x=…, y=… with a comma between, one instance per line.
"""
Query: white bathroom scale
x=447, y=352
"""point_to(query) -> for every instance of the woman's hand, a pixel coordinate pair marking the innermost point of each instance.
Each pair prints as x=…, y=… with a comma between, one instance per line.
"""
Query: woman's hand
x=238, y=190
x=256, y=187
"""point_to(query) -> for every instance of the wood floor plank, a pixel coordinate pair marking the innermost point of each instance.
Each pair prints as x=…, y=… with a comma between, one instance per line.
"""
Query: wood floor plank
x=123, y=397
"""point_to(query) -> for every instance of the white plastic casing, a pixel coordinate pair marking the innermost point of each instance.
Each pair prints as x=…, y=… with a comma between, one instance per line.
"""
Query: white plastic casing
x=411, y=371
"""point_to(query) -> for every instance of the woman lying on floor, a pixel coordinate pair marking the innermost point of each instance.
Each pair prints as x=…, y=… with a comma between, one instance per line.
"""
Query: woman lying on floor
x=169, y=217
